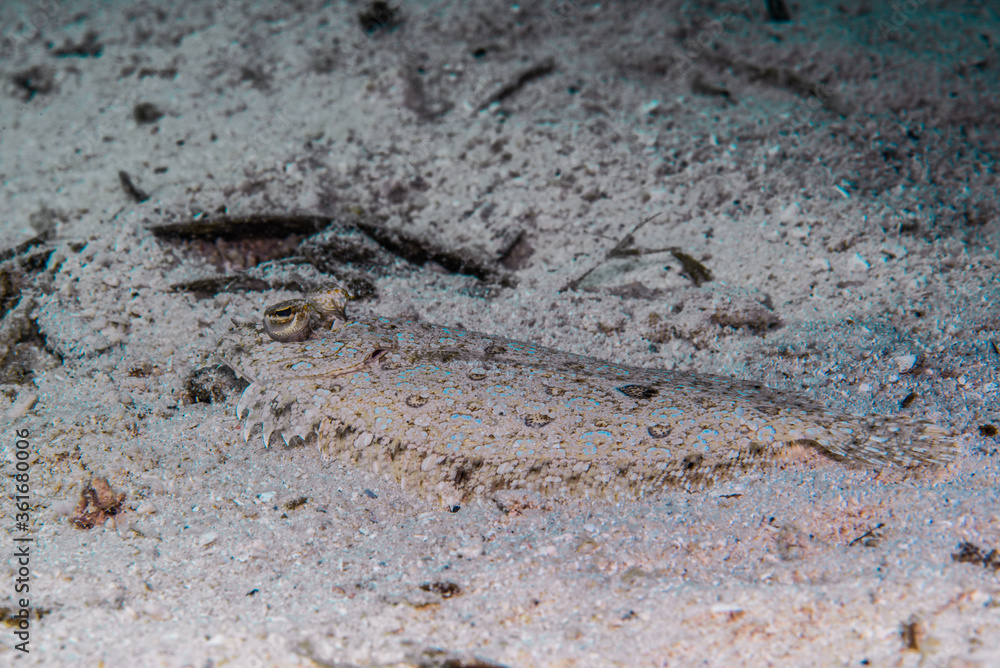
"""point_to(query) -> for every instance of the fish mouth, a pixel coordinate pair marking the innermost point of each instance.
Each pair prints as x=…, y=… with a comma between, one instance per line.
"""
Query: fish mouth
x=261, y=405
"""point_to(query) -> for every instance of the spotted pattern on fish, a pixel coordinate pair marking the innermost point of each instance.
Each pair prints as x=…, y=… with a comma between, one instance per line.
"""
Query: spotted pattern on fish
x=457, y=413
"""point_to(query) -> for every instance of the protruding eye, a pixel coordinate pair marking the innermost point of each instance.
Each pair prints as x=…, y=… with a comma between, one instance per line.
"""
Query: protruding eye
x=288, y=321
x=330, y=303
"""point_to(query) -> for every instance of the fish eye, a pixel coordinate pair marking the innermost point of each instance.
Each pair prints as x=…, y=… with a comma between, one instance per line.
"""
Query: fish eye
x=289, y=321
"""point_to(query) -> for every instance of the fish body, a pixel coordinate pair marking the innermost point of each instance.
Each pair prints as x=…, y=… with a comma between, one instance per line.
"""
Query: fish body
x=458, y=413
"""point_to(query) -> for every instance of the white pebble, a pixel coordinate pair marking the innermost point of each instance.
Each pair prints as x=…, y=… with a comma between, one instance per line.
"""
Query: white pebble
x=146, y=508
x=905, y=363
x=858, y=263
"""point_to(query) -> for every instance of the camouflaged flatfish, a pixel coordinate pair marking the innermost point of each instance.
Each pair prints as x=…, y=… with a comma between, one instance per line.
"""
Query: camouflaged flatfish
x=455, y=412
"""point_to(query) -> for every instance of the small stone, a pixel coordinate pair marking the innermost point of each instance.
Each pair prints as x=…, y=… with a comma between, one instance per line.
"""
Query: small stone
x=111, y=280
x=25, y=401
x=146, y=508
x=905, y=363
x=858, y=263
x=800, y=232
x=790, y=213
x=818, y=265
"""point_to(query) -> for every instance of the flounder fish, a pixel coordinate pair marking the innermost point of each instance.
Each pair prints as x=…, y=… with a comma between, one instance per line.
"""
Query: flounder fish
x=457, y=413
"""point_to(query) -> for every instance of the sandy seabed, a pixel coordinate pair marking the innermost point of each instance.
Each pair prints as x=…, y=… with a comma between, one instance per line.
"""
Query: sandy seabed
x=686, y=185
